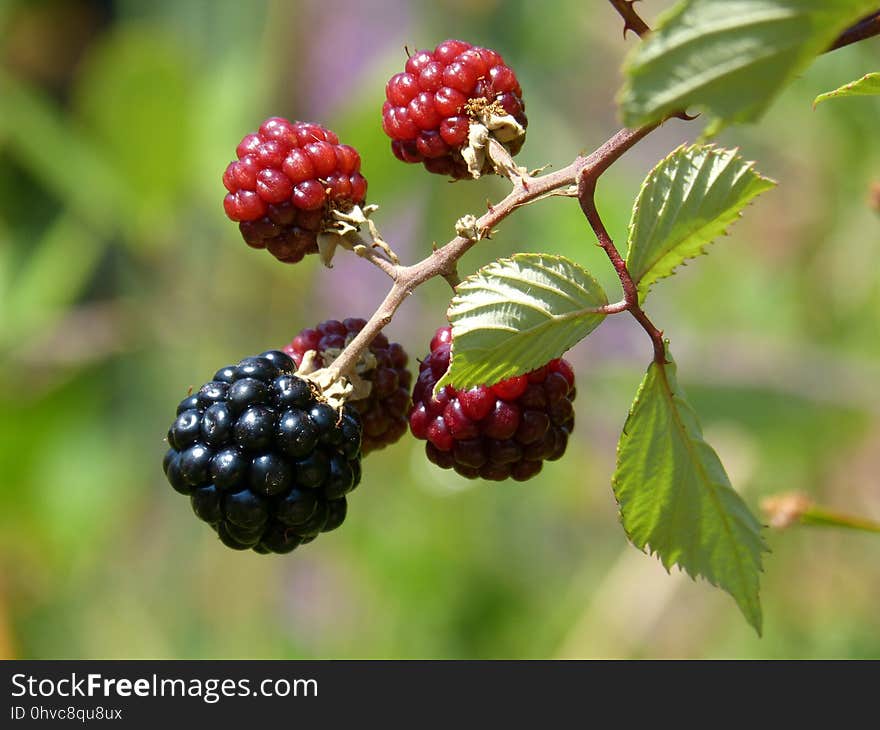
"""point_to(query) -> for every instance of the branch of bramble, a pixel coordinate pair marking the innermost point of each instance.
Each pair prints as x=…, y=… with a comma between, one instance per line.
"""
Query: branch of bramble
x=867, y=27
x=583, y=172
x=631, y=19
x=587, y=199
x=442, y=262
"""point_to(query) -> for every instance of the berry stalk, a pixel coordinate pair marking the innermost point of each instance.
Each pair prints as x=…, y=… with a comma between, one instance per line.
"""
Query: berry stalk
x=631, y=19
x=442, y=262
x=867, y=27
x=583, y=171
x=586, y=197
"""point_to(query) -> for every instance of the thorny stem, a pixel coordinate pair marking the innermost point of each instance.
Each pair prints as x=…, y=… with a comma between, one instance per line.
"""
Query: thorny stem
x=586, y=197
x=452, y=278
x=584, y=171
x=867, y=27
x=375, y=256
x=631, y=19
x=442, y=262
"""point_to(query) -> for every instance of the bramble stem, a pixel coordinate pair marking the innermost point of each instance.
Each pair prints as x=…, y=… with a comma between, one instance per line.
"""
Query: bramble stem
x=375, y=256
x=827, y=518
x=613, y=149
x=452, y=278
x=586, y=197
x=616, y=308
x=867, y=27
x=789, y=508
x=631, y=19
x=442, y=262
x=584, y=171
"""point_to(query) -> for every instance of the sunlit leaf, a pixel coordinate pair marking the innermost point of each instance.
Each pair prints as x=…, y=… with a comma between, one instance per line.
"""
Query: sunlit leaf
x=687, y=200
x=729, y=57
x=868, y=85
x=515, y=314
x=676, y=500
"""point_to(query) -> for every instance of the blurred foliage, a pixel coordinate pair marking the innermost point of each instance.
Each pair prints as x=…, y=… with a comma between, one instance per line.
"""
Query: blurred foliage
x=122, y=284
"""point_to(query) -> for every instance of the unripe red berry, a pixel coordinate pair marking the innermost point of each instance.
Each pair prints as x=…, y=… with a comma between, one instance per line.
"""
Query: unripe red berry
x=286, y=180
x=504, y=430
x=385, y=411
x=426, y=106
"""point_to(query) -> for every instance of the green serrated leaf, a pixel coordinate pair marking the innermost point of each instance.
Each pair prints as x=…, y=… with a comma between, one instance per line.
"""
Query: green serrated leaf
x=515, y=314
x=729, y=57
x=687, y=200
x=676, y=500
x=868, y=85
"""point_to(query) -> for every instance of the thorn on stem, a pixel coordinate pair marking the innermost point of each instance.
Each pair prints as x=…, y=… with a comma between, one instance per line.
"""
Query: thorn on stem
x=631, y=19
x=686, y=117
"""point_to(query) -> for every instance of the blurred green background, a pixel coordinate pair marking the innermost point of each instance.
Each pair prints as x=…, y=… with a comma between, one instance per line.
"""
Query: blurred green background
x=122, y=284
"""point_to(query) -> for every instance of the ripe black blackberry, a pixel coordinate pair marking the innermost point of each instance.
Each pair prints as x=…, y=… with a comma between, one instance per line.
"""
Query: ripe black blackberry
x=286, y=180
x=430, y=105
x=384, y=411
x=508, y=429
x=263, y=460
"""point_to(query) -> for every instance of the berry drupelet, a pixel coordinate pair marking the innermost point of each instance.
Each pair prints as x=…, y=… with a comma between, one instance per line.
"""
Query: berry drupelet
x=428, y=108
x=262, y=459
x=287, y=178
x=384, y=411
x=504, y=430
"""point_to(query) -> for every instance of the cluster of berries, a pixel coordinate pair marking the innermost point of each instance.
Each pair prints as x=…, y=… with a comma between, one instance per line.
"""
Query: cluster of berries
x=286, y=180
x=384, y=411
x=429, y=107
x=289, y=176
x=263, y=460
x=494, y=432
